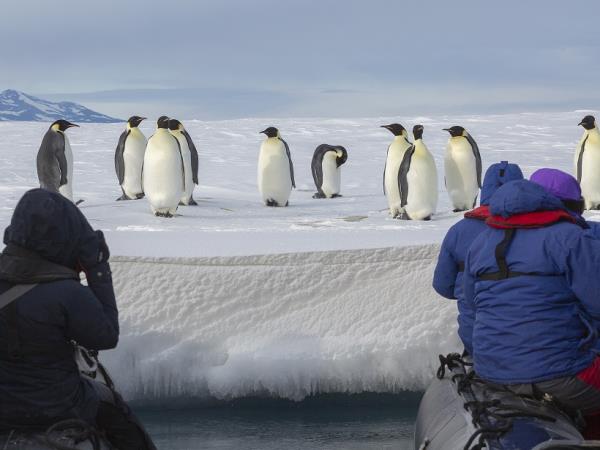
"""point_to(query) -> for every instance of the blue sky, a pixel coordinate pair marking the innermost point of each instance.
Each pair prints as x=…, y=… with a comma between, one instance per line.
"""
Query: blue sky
x=243, y=58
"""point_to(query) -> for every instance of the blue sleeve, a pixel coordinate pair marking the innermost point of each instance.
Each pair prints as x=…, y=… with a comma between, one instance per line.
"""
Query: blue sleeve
x=582, y=268
x=446, y=270
x=594, y=229
x=467, y=317
x=92, y=316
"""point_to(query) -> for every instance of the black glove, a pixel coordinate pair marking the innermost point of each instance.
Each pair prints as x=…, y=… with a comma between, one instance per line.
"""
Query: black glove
x=93, y=251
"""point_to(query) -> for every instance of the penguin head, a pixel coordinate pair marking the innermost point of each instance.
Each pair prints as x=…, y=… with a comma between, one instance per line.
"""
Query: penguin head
x=455, y=131
x=396, y=129
x=418, y=132
x=175, y=125
x=62, y=125
x=588, y=122
x=162, y=122
x=134, y=121
x=271, y=132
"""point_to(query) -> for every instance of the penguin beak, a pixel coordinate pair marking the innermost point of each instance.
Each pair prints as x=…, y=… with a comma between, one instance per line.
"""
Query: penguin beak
x=580, y=123
x=263, y=132
x=446, y=129
x=143, y=118
x=387, y=127
x=70, y=125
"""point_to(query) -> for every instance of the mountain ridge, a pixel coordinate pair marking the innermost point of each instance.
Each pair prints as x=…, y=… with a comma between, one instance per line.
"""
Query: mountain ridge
x=19, y=106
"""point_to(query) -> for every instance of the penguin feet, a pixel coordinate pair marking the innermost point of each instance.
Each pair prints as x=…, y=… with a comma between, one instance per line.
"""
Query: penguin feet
x=162, y=214
x=271, y=202
x=403, y=216
x=458, y=210
x=139, y=196
x=336, y=196
x=318, y=195
x=427, y=218
x=192, y=202
x=123, y=197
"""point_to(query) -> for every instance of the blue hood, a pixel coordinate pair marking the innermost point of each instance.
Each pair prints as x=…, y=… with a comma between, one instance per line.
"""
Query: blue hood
x=522, y=196
x=497, y=175
x=49, y=225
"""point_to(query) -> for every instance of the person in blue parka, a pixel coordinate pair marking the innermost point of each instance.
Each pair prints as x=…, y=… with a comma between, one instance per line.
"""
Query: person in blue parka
x=531, y=279
x=48, y=243
x=447, y=278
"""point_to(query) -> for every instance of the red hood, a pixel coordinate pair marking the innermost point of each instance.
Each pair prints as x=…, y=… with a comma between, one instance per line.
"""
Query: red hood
x=536, y=219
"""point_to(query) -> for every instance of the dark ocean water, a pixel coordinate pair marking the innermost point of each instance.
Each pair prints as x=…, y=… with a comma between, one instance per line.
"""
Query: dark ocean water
x=365, y=422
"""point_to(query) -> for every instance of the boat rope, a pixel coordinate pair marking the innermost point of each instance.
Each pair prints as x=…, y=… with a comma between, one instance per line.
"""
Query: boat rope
x=483, y=410
x=79, y=431
x=451, y=361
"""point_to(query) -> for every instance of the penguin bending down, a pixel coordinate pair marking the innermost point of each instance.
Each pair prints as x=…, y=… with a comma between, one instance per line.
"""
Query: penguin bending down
x=418, y=180
x=587, y=163
x=163, y=178
x=462, y=169
x=55, y=160
x=189, y=155
x=275, y=169
x=326, y=169
x=391, y=178
x=129, y=159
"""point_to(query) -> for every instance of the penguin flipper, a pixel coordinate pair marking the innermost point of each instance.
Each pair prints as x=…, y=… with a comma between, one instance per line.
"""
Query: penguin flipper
x=403, y=175
x=63, y=166
x=182, y=164
x=580, y=160
x=477, y=156
x=194, y=155
x=317, y=168
x=289, y=155
x=119, y=161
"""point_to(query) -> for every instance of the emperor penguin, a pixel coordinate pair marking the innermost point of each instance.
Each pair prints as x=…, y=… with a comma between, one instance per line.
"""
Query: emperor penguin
x=326, y=169
x=275, y=169
x=190, y=160
x=55, y=160
x=391, y=179
x=462, y=169
x=587, y=163
x=129, y=159
x=163, y=178
x=418, y=180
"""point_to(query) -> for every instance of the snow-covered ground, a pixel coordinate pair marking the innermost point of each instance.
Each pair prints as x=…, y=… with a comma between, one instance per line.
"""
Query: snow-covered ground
x=231, y=219
x=232, y=298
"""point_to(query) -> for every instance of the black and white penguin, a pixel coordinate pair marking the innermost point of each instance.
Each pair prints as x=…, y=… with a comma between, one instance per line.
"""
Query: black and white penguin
x=163, y=176
x=395, y=154
x=129, y=159
x=587, y=163
x=326, y=169
x=55, y=160
x=462, y=169
x=275, y=169
x=190, y=160
x=418, y=180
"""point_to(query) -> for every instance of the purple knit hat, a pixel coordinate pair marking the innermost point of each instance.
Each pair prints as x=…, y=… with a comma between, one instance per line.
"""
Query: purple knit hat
x=558, y=183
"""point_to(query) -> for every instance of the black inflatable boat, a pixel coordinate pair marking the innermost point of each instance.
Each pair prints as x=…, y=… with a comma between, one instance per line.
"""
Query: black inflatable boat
x=461, y=411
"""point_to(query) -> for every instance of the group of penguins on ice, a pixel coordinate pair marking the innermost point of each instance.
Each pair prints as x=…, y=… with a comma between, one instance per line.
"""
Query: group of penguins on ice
x=164, y=168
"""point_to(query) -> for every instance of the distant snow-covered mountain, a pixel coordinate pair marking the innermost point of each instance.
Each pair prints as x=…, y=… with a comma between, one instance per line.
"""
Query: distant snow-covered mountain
x=18, y=106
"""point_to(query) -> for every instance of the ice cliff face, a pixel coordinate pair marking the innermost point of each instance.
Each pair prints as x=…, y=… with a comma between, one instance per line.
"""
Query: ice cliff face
x=18, y=106
x=286, y=326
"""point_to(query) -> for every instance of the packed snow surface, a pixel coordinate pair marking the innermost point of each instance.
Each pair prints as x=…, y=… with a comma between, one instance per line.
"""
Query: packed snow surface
x=231, y=298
